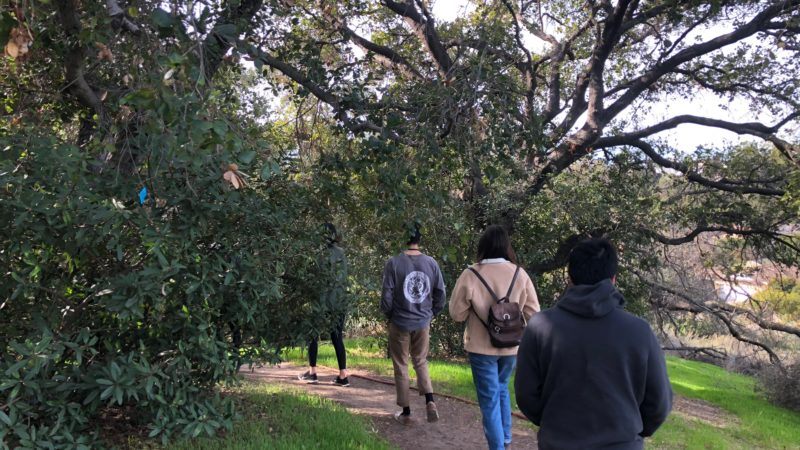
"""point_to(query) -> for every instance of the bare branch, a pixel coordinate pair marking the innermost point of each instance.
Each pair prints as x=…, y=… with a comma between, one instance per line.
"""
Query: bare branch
x=386, y=55
x=426, y=30
x=708, y=229
x=530, y=81
x=340, y=109
x=690, y=174
x=758, y=23
x=752, y=128
x=74, y=64
x=716, y=309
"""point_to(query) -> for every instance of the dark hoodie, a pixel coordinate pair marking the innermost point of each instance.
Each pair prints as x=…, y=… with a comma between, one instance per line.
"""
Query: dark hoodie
x=590, y=374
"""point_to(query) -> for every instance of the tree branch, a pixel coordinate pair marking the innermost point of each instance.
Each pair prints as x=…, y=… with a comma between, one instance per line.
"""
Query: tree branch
x=758, y=23
x=528, y=75
x=216, y=45
x=340, y=110
x=426, y=30
x=118, y=17
x=74, y=65
x=752, y=128
x=716, y=309
x=707, y=229
x=387, y=56
x=690, y=174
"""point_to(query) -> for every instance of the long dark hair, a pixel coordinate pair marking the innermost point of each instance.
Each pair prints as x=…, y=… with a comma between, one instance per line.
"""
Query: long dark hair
x=495, y=243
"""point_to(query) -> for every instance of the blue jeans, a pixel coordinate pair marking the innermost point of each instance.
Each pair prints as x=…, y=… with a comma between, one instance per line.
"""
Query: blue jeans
x=491, y=375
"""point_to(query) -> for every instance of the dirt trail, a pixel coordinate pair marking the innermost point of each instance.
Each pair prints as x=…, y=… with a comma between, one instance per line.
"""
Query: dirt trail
x=459, y=425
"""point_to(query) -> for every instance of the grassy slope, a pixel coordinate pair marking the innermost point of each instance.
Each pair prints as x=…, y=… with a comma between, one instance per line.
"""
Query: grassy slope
x=760, y=424
x=275, y=417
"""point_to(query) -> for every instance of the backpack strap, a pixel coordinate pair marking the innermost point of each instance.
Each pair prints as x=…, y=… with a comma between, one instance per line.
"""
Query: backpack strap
x=511, y=287
x=486, y=285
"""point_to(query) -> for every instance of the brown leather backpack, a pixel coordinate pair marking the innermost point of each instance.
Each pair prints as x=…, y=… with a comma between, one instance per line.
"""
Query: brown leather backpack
x=506, y=322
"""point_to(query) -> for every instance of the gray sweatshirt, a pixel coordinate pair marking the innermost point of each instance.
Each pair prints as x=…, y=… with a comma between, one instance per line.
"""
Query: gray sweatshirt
x=413, y=291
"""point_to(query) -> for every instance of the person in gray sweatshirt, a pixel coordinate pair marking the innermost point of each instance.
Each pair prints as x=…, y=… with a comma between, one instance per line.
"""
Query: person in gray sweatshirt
x=413, y=293
x=590, y=374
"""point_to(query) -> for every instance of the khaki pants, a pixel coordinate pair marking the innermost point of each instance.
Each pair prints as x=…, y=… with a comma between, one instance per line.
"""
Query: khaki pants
x=401, y=344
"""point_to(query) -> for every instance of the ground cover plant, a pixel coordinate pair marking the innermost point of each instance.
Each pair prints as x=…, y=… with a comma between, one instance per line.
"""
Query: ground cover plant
x=272, y=416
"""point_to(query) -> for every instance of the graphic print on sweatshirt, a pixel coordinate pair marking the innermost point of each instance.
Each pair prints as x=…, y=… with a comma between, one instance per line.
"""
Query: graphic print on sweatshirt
x=417, y=287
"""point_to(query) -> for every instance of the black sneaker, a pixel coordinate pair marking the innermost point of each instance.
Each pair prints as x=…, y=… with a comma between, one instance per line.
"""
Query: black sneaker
x=308, y=377
x=344, y=382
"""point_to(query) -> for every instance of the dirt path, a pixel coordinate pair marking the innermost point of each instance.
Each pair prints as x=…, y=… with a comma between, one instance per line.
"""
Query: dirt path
x=459, y=425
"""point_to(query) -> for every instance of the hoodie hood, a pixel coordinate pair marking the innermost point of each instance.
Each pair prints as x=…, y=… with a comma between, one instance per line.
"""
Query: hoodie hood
x=591, y=300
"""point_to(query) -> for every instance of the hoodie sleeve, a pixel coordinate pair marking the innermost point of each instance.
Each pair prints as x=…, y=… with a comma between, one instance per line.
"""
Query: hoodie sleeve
x=460, y=301
x=657, y=401
x=439, y=294
x=387, y=292
x=528, y=382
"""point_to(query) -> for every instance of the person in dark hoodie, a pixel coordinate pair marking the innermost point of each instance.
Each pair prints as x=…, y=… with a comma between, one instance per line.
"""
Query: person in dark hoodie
x=590, y=374
x=413, y=292
x=334, y=297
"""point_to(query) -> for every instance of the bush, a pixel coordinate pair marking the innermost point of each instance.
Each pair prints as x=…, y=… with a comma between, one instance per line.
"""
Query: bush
x=783, y=296
x=114, y=300
x=782, y=387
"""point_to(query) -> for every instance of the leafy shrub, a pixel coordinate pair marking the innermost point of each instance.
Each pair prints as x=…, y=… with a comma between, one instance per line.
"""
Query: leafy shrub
x=112, y=299
x=783, y=296
x=782, y=387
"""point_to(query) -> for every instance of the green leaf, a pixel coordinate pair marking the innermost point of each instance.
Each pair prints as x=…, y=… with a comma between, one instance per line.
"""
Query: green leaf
x=163, y=19
x=5, y=419
x=227, y=31
x=270, y=169
x=7, y=22
x=247, y=157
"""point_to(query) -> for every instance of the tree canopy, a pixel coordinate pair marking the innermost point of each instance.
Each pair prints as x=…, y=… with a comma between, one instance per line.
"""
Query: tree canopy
x=166, y=168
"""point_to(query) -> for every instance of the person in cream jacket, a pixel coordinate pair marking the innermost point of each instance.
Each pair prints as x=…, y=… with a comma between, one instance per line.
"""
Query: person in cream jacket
x=470, y=302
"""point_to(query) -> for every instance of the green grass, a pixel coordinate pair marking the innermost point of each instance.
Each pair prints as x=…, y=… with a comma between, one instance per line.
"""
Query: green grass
x=761, y=424
x=757, y=423
x=280, y=418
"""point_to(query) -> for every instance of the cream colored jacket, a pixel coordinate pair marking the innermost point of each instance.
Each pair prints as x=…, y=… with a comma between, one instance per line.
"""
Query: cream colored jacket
x=470, y=295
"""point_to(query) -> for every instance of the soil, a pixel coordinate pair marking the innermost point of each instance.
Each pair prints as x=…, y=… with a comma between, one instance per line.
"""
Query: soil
x=692, y=408
x=459, y=425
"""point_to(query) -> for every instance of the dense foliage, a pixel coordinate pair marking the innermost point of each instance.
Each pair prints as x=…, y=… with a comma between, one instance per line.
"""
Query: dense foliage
x=164, y=175
x=783, y=297
x=135, y=278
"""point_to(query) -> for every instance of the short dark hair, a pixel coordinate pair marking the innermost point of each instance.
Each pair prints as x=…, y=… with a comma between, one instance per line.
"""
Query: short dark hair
x=330, y=233
x=414, y=235
x=592, y=261
x=495, y=243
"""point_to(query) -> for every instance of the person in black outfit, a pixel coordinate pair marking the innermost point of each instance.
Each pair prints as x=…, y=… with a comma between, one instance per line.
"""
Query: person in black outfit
x=335, y=265
x=590, y=374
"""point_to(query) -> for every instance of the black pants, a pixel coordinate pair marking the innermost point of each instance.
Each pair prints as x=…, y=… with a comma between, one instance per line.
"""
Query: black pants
x=338, y=345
